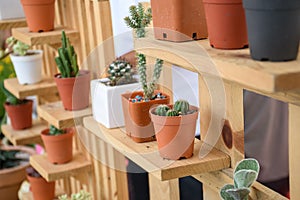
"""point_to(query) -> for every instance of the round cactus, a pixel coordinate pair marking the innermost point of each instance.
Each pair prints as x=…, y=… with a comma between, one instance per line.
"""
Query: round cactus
x=172, y=113
x=161, y=110
x=182, y=106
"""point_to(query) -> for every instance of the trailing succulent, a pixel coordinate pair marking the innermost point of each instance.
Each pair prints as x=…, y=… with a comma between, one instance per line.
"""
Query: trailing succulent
x=10, y=98
x=180, y=107
x=12, y=158
x=67, y=58
x=138, y=19
x=14, y=46
x=245, y=174
x=55, y=131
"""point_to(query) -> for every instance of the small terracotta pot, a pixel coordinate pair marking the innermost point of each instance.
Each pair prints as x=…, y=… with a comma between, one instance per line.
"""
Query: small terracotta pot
x=178, y=20
x=226, y=24
x=20, y=115
x=74, y=92
x=137, y=120
x=58, y=147
x=41, y=189
x=39, y=14
x=175, y=135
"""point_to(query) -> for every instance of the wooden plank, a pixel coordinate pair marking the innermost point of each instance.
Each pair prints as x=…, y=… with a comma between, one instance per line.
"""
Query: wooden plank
x=52, y=172
x=234, y=65
x=8, y=24
x=27, y=136
x=50, y=37
x=55, y=114
x=45, y=87
x=165, y=190
x=146, y=154
x=294, y=152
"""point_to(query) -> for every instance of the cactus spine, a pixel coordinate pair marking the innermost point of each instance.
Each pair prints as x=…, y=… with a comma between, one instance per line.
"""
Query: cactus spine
x=182, y=106
x=67, y=59
x=120, y=72
x=162, y=110
x=172, y=113
x=148, y=88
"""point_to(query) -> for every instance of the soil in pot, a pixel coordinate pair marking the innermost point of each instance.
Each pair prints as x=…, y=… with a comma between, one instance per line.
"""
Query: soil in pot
x=137, y=120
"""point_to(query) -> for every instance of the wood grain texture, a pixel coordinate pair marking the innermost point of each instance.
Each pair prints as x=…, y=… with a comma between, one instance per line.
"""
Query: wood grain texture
x=12, y=23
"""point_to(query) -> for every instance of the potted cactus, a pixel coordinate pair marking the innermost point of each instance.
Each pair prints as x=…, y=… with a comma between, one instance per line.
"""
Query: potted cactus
x=136, y=105
x=106, y=93
x=11, y=9
x=245, y=174
x=58, y=144
x=27, y=63
x=175, y=127
x=139, y=19
x=18, y=110
x=73, y=84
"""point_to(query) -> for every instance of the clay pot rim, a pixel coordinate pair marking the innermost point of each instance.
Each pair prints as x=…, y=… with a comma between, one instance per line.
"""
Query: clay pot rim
x=194, y=108
x=37, y=2
x=45, y=133
x=82, y=73
x=124, y=95
x=28, y=101
x=222, y=2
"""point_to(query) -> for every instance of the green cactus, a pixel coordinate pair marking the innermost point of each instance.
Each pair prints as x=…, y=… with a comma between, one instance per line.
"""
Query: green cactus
x=245, y=174
x=67, y=59
x=55, y=131
x=172, y=113
x=138, y=19
x=148, y=88
x=10, y=98
x=162, y=110
x=182, y=106
x=120, y=72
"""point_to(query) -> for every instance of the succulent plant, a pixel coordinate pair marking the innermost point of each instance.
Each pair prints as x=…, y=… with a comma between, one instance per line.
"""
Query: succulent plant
x=120, y=72
x=55, y=131
x=16, y=47
x=181, y=106
x=10, y=98
x=82, y=195
x=12, y=158
x=162, y=110
x=172, y=113
x=245, y=174
x=67, y=58
x=138, y=19
x=148, y=88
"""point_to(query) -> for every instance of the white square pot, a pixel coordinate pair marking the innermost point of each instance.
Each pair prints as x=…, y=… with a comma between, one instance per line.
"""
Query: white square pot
x=11, y=9
x=107, y=102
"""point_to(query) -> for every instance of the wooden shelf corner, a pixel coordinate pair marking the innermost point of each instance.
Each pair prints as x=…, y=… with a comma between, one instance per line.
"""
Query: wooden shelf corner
x=52, y=172
x=146, y=154
x=46, y=87
x=55, y=114
x=8, y=24
x=50, y=37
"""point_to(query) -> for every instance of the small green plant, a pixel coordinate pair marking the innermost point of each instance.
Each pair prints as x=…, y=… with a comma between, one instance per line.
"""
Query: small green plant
x=120, y=72
x=12, y=158
x=67, y=58
x=172, y=113
x=148, y=88
x=10, y=98
x=245, y=174
x=162, y=110
x=14, y=46
x=138, y=19
x=82, y=195
x=55, y=131
x=180, y=107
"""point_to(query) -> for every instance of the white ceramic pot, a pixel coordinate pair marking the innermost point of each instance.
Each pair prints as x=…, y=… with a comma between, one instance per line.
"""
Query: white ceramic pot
x=28, y=68
x=107, y=102
x=11, y=9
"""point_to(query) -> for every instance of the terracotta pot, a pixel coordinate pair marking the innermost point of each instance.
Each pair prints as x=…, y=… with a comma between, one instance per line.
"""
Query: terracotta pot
x=226, y=24
x=41, y=189
x=20, y=115
x=175, y=135
x=39, y=14
x=137, y=120
x=58, y=147
x=74, y=91
x=12, y=178
x=178, y=20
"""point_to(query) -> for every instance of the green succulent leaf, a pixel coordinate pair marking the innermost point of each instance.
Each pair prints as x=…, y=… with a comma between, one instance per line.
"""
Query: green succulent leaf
x=224, y=194
x=245, y=178
x=238, y=193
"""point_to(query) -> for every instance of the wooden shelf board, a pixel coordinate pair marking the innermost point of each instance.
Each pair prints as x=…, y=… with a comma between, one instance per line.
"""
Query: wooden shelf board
x=8, y=24
x=50, y=37
x=146, y=154
x=55, y=114
x=26, y=136
x=52, y=172
x=233, y=65
x=45, y=87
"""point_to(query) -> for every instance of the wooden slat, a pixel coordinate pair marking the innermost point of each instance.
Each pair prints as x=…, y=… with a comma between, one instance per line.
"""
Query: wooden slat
x=52, y=172
x=55, y=114
x=234, y=65
x=51, y=37
x=146, y=154
x=12, y=23
x=27, y=136
x=45, y=87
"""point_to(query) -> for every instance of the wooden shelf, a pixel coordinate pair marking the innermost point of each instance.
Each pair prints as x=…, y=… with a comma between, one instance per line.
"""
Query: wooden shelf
x=146, y=154
x=233, y=65
x=55, y=114
x=50, y=37
x=26, y=136
x=8, y=24
x=52, y=172
x=44, y=88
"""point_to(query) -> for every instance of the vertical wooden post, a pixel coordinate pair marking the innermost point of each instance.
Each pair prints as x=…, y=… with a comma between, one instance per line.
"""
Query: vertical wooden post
x=294, y=150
